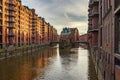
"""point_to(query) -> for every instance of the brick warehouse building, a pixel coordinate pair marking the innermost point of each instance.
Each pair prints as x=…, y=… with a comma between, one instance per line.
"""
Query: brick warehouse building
x=106, y=55
x=93, y=20
x=20, y=25
x=117, y=39
x=106, y=39
x=83, y=38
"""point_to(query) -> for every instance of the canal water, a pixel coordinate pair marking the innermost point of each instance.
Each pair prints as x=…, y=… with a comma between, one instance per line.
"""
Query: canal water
x=49, y=63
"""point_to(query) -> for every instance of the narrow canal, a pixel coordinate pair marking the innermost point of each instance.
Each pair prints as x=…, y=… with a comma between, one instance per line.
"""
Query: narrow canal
x=49, y=64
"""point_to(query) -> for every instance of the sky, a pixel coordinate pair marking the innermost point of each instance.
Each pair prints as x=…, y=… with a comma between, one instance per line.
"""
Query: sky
x=62, y=13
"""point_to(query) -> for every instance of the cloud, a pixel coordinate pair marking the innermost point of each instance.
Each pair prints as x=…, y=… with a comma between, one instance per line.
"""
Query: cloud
x=66, y=15
x=62, y=13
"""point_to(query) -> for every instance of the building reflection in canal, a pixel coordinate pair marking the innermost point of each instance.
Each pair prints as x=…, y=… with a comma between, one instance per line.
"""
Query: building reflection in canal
x=27, y=66
x=48, y=64
x=68, y=58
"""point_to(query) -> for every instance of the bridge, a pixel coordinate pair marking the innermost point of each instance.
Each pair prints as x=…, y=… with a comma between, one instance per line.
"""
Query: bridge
x=54, y=42
x=82, y=42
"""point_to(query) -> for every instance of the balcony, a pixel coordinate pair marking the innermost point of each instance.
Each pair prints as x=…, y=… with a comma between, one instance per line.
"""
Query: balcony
x=10, y=3
x=34, y=25
x=89, y=19
x=0, y=18
x=90, y=15
x=89, y=10
x=11, y=34
x=10, y=15
x=43, y=30
x=0, y=4
x=10, y=21
x=117, y=6
x=117, y=56
x=93, y=2
x=43, y=25
x=33, y=28
x=33, y=32
x=90, y=23
x=95, y=14
x=11, y=9
x=34, y=19
x=90, y=3
x=90, y=29
x=33, y=37
x=11, y=27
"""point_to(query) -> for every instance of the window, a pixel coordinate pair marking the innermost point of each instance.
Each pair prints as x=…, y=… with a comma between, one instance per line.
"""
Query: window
x=101, y=15
x=109, y=3
x=117, y=62
x=100, y=36
x=119, y=38
x=108, y=33
x=108, y=58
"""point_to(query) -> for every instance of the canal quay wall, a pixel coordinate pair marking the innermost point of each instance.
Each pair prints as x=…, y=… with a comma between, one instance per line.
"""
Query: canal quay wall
x=94, y=51
x=16, y=51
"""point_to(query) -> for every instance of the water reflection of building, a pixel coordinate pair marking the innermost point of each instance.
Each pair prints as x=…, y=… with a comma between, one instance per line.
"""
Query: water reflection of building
x=26, y=67
x=67, y=57
x=42, y=61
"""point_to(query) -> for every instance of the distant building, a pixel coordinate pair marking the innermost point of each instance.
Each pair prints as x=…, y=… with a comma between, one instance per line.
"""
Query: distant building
x=83, y=38
x=69, y=36
x=65, y=38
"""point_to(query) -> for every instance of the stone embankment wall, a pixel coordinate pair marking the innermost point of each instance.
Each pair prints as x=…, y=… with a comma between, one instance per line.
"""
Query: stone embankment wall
x=21, y=50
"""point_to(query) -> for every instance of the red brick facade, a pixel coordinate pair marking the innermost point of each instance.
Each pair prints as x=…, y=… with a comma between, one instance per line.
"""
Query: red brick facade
x=101, y=41
x=106, y=56
x=83, y=38
x=68, y=37
x=93, y=23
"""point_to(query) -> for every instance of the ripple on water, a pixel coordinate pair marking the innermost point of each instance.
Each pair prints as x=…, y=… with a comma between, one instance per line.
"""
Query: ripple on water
x=49, y=64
